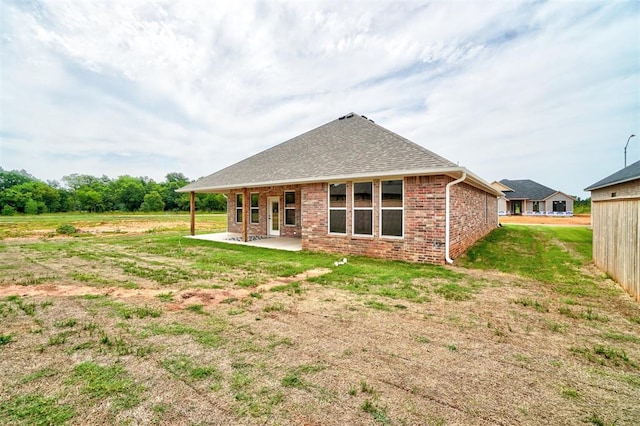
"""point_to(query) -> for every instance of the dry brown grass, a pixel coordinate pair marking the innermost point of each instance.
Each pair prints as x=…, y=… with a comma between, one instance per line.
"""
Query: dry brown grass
x=317, y=355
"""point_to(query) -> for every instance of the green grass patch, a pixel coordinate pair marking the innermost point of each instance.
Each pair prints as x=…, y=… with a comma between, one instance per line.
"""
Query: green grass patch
x=5, y=339
x=538, y=306
x=553, y=255
x=107, y=382
x=45, y=372
x=35, y=409
x=184, y=367
x=210, y=335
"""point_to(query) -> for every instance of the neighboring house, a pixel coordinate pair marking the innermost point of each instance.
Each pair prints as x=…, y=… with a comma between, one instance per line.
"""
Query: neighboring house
x=615, y=218
x=526, y=197
x=354, y=187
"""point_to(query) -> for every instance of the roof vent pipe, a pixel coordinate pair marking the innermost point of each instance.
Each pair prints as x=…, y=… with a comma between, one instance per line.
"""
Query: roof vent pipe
x=447, y=214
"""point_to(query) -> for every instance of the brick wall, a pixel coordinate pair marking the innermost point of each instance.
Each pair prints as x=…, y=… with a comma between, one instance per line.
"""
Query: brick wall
x=424, y=221
x=473, y=215
x=261, y=227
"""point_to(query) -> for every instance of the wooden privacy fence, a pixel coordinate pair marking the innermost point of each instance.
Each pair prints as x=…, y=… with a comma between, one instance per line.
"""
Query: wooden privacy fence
x=616, y=240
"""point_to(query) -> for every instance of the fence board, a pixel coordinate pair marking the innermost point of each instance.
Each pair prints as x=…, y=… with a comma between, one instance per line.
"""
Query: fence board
x=616, y=241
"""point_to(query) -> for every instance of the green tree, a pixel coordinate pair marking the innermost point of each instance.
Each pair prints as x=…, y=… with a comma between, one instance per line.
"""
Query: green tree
x=31, y=207
x=9, y=179
x=89, y=199
x=127, y=192
x=152, y=202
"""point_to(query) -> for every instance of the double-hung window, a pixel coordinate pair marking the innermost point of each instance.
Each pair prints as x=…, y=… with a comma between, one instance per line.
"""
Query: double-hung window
x=290, y=208
x=392, y=208
x=338, y=208
x=363, y=208
x=255, y=210
x=239, y=208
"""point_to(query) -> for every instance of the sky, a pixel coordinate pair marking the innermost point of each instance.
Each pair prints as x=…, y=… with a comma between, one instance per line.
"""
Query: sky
x=541, y=90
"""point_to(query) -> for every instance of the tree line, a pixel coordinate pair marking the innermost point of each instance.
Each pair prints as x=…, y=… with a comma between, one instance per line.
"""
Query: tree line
x=21, y=192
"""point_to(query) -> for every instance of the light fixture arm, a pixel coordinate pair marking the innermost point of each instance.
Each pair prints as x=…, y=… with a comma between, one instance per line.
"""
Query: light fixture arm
x=625, y=149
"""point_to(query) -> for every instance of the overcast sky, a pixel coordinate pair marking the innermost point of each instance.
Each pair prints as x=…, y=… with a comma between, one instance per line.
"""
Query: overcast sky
x=542, y=90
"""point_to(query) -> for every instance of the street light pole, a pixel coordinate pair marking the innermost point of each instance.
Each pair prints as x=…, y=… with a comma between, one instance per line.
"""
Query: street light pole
x=625, y=150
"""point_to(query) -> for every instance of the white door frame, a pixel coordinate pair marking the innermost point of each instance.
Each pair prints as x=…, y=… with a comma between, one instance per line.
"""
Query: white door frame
x=270, y=231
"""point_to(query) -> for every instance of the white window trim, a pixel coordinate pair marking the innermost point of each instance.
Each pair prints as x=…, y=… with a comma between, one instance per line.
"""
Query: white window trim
x=239, y=208
x=354, y=208
x=393, y=237
x=251, y=208
x=329, y=208
x=284, y=197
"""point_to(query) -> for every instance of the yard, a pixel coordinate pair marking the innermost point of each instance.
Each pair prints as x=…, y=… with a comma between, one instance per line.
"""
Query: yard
x=128, y=322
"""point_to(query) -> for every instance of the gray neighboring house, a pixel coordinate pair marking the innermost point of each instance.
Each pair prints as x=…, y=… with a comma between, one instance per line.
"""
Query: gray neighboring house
x=526, y=197
x=615, y=218
x=353, y=187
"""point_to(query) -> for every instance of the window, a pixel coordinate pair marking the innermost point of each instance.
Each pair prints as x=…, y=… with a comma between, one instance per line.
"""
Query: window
x=536, y=206
x=338, y=208
x=559, y=206
x=255, y=210
x=613, y=194
x=363, y=208
x=239, y=208
x=392, y=210
x=290, y=208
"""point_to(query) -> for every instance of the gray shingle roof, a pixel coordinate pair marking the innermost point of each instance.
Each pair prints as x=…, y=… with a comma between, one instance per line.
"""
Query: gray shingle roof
x=349, y=146
x=526, y=189
x=627, y=174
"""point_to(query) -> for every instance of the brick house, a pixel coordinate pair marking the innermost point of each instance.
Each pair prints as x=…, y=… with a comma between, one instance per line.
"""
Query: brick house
x=527, y=197
x=353, y=187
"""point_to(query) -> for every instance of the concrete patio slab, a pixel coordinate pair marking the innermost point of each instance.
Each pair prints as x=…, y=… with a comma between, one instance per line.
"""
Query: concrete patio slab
x=278, y=243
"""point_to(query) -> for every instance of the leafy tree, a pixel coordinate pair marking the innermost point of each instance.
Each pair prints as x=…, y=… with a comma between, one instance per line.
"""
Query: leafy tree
x=31, y=207
x=212, y=202
x=129, y=193
x=89, y=199
x=9, y=179
x=152, y=203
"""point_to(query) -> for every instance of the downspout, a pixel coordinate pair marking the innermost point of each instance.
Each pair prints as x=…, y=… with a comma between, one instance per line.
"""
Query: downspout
x=446, y=213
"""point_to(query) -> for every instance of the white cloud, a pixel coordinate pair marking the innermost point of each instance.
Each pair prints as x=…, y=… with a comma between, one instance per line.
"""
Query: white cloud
x=547, y=91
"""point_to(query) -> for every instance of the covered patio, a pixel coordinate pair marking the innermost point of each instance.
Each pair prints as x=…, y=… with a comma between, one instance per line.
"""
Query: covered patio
x=278, y=243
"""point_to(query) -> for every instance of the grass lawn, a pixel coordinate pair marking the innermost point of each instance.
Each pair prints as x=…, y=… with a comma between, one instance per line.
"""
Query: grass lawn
x=128, y=322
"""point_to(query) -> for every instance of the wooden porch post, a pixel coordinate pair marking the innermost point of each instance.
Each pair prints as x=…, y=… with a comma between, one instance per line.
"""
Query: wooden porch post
x=192, y=209
x=245, y=213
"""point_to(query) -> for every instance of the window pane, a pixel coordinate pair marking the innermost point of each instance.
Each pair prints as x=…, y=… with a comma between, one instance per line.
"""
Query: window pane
x=238, y=200
x=362, y=194
x=255, y=216
x=362, y=222
x=338, y=221
x=559, y=206
x=239, y=215
x=392, y=193
x=338, y=195
x=255, y=198
x=392, y=223
x=290, y=216
x=290, y=199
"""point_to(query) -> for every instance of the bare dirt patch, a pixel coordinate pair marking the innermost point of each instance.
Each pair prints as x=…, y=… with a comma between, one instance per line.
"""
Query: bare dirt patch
x=575, y=220
x=183, y=298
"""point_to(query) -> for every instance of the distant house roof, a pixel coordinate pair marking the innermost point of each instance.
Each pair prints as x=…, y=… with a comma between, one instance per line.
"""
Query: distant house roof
x=627, y=174
x=526, y=189
x=349, y=147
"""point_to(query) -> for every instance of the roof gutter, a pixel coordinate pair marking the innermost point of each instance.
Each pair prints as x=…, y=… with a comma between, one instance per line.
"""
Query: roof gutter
x=447, y=214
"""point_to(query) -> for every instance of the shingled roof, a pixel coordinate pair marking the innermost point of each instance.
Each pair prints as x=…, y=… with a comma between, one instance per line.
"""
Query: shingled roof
x=627, y=174
x=349, y=147
x=526, y=189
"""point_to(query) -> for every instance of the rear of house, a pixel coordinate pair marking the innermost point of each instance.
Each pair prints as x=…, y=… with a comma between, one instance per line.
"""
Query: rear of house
x=615, y=218
x=353, y=187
